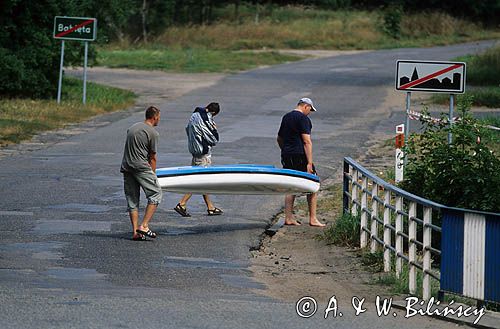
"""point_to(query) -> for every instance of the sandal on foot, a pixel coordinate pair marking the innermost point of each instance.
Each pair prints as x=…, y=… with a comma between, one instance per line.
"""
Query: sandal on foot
x=214, y=212
x=139, y=237
x=182, y=210
x=147, y=233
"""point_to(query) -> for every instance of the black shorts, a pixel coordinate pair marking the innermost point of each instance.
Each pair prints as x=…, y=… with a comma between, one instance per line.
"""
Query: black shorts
x=295, y=162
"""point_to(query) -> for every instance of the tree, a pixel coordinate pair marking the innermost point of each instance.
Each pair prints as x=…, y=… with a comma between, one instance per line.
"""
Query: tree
x=29, y=54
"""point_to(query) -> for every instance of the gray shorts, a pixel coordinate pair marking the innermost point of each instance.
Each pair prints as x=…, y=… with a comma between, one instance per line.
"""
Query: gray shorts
x=132, y=182
x=204, y=160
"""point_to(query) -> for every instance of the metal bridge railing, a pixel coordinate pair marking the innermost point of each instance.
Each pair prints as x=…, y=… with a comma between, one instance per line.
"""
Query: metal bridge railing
x=408, y=227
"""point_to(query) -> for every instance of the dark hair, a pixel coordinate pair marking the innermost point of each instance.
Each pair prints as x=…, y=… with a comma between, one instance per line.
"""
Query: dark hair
x=213, y=108
x=151, y=112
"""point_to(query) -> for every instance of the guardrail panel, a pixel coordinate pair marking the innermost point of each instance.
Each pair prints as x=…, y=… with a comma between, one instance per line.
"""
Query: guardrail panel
x=474, y=233
x=492, y=260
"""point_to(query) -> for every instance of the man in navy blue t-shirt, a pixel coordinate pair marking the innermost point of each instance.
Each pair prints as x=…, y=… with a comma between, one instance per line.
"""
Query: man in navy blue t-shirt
x=294, y=140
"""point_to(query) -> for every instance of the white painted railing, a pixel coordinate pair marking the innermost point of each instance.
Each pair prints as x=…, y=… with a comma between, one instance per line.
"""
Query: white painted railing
x=401, y=224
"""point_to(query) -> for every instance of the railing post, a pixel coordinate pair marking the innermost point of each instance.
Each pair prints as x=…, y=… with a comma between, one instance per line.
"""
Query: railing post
x=346, y=188
x=426, y=294
x=412, y=252
x=399, y=237
x=387, y=232
x=374, y=224
x=354, y=209
x=364, y=215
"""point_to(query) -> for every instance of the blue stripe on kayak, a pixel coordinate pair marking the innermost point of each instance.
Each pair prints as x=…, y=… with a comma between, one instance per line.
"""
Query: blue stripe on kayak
x=247, y=165
x=235, y=169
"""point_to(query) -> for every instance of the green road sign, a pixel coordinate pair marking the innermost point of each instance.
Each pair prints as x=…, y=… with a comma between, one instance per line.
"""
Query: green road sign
x=75, y=28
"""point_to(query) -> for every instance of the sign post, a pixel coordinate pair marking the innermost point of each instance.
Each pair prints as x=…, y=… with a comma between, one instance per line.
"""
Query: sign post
x=450, y=115
x=74, y=28
x=85, y=72
x=407, y=125
x=429, y=76
x=400, y=142
x=60, y=74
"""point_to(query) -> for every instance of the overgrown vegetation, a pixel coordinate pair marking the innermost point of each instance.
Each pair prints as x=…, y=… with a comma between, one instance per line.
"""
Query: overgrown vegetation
x=483, y=79
x=398, y=285
x=493, y=138
x=302, y=27
x=464, y=174
x=20, y=119
x=217, y=45
x=344, y=231
x=484, y=69
x=30, y=55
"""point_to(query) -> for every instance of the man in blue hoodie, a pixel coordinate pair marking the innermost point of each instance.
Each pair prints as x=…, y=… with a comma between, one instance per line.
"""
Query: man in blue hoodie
x=202, y=136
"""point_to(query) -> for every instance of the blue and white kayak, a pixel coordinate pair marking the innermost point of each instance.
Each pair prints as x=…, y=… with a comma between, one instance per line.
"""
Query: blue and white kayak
x=236, y=179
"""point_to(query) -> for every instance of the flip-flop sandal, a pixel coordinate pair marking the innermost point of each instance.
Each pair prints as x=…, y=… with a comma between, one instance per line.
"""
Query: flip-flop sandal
x=139, y=237
x=182, y=210
x=147, y=233
x=214, y=212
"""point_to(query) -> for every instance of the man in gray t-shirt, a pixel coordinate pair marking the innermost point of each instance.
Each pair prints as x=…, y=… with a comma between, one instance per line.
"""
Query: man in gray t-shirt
x=138, y=168
x=141, y=142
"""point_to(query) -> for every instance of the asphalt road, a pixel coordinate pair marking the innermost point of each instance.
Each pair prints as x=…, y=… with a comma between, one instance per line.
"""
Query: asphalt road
x=66, y=260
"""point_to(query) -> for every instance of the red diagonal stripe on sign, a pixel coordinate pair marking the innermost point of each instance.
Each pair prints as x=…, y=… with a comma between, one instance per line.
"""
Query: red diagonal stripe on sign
x=74, y=28
x=430, y=76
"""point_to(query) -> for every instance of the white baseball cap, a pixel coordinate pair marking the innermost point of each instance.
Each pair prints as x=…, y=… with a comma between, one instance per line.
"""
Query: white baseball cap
x=308, y=101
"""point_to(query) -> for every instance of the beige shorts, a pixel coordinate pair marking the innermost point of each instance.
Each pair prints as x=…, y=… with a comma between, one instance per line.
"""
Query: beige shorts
x=204, y=161
x=134, y=181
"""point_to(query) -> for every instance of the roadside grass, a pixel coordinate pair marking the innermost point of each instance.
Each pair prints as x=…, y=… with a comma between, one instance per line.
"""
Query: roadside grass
x=483, y=75
x=189, y=60
x=343, y=232
x=484, y=69
x=397, y=285
x=329, y=203
x=488, y=96
x=216, y=47
x=299, y=27
x=20, y=119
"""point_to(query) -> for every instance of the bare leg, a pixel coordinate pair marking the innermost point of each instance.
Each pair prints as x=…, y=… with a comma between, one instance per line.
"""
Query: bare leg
x=312, y=201
x=289, y=200
x=134, y=219
x=185, y=199
x=208, y=202
x=148, y=214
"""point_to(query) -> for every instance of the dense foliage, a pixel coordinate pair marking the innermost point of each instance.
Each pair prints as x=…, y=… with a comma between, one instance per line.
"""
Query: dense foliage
x=465, y=174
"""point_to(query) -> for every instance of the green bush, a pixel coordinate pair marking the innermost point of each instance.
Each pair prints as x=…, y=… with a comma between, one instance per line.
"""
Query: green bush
x=392, y=21
x=464, y=174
